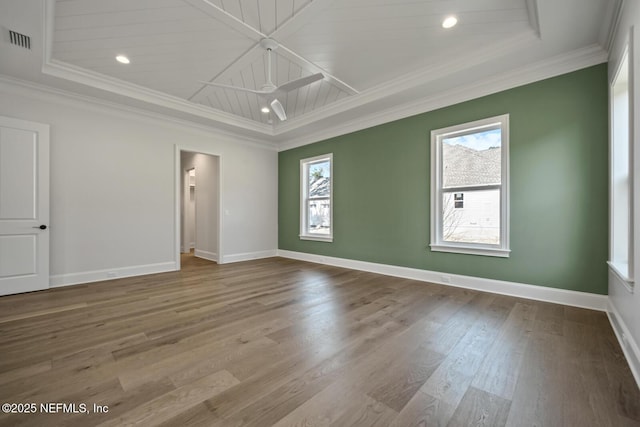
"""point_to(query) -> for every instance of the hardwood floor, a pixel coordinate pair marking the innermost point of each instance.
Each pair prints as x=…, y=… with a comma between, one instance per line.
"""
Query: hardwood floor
x=282, y=342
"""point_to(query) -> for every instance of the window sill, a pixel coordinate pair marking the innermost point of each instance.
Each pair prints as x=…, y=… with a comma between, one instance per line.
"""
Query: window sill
x=316, y=238
x=626, y=281
x=471, y=250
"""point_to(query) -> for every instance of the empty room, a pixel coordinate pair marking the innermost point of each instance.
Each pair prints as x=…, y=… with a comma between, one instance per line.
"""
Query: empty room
x=319, y=213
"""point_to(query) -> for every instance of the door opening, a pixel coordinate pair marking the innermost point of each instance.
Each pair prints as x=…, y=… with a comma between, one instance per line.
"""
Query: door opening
x=199, y=206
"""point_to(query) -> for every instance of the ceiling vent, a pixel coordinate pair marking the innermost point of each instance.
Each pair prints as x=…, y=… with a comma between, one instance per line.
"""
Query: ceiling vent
x=20, y=40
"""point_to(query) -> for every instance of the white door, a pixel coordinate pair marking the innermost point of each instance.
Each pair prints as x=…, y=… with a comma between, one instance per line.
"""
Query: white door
x=24, y=206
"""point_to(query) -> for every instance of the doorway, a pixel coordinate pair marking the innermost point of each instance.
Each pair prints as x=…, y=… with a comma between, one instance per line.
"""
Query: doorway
x=198, y=206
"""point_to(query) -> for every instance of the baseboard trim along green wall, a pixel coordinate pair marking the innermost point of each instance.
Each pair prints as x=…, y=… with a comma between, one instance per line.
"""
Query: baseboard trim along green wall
x=558, y=155
x=539, y=293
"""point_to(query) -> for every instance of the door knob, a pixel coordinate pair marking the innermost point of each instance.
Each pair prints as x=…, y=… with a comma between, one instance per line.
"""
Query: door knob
x=41, y=227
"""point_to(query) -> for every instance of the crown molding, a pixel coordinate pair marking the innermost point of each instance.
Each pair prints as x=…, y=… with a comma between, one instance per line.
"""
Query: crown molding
x=65, y=71
x=611, y=23
x=93, y=79
x=276, y=135
x=75, y=74
x=410, y=81
x=573, y=61
x=558, y=65
x=70, y=72
x=51, y=94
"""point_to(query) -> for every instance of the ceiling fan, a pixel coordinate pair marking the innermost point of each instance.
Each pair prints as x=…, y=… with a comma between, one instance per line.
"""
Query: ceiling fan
x=270, y=91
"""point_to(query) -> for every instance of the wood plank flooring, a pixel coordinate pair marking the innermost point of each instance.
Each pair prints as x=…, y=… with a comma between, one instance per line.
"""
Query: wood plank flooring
x=277, y=342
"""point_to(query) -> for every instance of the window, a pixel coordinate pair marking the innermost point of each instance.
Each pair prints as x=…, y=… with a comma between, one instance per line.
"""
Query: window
x=316, y=198
x=458, y=200
x=621, y=204
x=469, y=188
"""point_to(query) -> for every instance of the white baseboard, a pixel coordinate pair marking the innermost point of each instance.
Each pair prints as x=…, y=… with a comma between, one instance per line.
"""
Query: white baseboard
x=59, y=280
x=540, y=293
x=249, y=256
x=211, y=256
x=191, y=246
x=627, y=342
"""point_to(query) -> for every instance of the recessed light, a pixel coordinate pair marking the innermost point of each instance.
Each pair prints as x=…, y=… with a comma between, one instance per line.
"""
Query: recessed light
x=122, y=59
x=449, y=21
x=265, y=110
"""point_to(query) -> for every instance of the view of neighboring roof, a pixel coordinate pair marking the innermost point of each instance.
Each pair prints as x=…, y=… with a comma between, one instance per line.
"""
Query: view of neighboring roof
x=466, y=166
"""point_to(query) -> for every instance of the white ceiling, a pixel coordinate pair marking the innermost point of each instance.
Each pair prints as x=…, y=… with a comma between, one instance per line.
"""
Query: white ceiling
x=382, y=59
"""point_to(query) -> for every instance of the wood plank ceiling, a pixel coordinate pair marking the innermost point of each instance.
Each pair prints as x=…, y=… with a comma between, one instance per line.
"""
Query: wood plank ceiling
x=358, y=44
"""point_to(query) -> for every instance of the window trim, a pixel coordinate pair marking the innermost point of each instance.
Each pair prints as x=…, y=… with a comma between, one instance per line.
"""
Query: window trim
x=437, y=243
x=624, y=271
x=304, y=184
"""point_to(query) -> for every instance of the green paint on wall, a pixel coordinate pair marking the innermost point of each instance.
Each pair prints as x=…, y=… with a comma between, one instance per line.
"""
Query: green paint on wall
x=559, y=187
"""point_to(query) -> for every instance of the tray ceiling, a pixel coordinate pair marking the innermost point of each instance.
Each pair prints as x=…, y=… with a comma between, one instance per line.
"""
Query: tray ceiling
x=358, y=45
x=381, y=59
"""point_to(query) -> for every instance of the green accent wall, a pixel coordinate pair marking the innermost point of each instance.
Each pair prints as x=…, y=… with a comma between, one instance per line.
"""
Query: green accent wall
x=558, y=187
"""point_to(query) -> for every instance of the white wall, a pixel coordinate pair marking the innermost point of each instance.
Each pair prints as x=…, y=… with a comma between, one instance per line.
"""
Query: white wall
x=206, y=202
x=113, y=189
x=625, y=306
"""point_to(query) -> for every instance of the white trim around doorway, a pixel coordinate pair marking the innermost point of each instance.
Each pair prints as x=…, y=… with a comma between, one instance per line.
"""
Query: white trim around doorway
x=178, y=200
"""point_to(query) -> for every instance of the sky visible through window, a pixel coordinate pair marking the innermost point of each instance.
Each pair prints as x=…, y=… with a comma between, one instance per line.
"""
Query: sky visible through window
x=323, y=167
x=477, y=141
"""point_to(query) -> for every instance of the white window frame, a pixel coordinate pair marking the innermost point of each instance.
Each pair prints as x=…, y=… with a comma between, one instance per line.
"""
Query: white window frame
x=438, y=243
x=622, y=268
x=305, y=234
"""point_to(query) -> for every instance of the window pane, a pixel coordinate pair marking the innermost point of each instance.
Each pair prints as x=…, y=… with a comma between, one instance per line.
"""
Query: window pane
x=316, y=206
x=319, y=214
x=319, y=179
x=620, y=191
x=472, y=159
x=478, y=222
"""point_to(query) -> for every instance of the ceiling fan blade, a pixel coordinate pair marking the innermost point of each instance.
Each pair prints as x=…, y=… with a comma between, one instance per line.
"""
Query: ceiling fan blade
x=296, y=84
x=242, y=89
x=277, y=108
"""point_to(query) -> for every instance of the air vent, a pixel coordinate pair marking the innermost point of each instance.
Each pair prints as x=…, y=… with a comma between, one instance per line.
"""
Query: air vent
x=20, y=40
